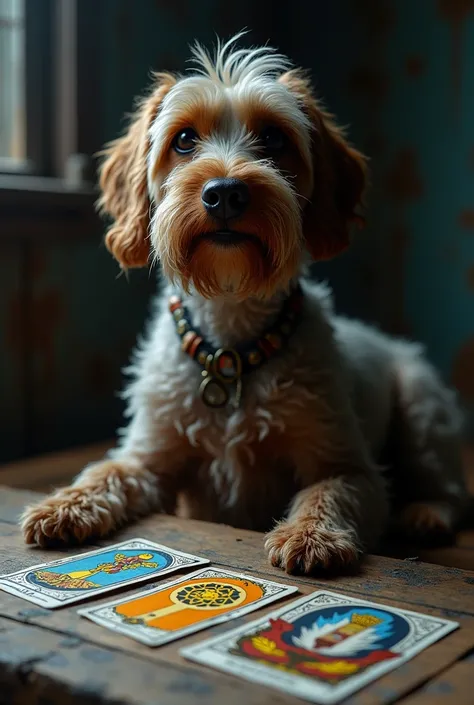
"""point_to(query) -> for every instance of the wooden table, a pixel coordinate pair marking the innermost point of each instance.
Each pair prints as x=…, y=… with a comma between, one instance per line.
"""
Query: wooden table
x=57, y=658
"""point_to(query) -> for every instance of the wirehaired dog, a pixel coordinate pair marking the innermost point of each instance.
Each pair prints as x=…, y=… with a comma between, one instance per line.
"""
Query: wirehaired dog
x=250, y=401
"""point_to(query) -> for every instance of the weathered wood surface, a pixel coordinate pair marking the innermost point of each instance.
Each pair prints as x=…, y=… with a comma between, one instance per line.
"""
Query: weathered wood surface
x=50, y=470
x=57, y=658
x=55, y=469
x=452, y=686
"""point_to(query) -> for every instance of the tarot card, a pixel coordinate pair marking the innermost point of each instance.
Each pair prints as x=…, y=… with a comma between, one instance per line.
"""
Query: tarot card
x=80, y=577
x=179, y=608
x=322, y=647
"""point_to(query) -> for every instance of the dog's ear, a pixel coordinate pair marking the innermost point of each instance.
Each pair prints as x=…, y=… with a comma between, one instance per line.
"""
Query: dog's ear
x=340, y=175
x=123, y=182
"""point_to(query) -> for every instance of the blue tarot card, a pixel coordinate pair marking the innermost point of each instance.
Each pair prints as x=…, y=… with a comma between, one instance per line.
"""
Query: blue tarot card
x=69, y=580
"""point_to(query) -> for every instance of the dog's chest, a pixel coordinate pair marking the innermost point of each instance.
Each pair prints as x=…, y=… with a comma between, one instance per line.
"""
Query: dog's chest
x=247, y=458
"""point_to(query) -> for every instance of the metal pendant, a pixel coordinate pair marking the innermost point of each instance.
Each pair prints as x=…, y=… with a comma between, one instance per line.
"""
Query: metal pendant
x=213, y=393
x=224, y=370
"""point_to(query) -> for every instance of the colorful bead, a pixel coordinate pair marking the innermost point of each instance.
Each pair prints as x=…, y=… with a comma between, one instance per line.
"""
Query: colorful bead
x=274, y=340
x=224, y=367
x=254, y=357
x=227, y=365
x=182, y=326
x=202, y=357
x=188, y=338
x=174, y=303
x=194, y=346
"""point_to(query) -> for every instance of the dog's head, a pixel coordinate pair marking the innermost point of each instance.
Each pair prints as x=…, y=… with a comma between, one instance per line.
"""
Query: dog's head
x=226, y=175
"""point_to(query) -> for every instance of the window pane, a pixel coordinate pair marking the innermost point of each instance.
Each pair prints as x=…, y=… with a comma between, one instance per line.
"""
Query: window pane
x=12, y=80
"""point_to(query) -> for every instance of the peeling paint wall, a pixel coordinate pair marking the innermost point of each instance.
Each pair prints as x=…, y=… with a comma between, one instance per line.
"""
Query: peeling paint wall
x=401, y=73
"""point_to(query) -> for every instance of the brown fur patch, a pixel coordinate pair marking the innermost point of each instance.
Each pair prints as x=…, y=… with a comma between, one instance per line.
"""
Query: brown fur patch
x=109, y=494
x=339, y=177
x=204, y=117
x=426, y=519
x=123, y=181
x=272, y=217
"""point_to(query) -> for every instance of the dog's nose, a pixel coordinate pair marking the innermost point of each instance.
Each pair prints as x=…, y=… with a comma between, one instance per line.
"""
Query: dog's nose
x=225, y=198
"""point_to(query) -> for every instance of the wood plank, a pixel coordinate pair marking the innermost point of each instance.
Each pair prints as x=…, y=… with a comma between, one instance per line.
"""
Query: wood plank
x=418, y=585
x=12, y=503
x=414, y=583
x=454, y=685
x=428, y=588
x=403, y=680
x=51, y=469
x=41, y=667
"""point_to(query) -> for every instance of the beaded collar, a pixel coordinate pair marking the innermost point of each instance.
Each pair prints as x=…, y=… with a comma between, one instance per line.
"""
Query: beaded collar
x=222, y=368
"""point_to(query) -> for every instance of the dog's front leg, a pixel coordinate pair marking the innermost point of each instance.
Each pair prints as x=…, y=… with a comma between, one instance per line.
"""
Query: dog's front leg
x=140, y=477
x=330, y=523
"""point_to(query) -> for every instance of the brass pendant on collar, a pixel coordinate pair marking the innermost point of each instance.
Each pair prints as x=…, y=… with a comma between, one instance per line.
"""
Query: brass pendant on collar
x=213, y=393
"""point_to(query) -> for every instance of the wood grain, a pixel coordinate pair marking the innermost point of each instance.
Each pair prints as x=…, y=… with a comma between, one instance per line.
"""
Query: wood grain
x=43, y=472
x=59, y=658
x=452, y=686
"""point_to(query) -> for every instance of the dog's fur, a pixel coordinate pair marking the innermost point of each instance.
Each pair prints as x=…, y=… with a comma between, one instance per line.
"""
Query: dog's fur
x=319, y=419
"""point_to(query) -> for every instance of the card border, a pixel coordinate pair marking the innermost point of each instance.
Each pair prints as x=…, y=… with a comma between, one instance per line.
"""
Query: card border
x=203, y=653
x=50, y=602
x=89, y=612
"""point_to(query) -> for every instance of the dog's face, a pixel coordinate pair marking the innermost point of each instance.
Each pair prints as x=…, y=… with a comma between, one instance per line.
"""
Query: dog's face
x=228, y=174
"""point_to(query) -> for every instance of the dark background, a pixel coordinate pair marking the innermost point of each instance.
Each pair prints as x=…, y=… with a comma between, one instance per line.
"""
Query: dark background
x=399, y=73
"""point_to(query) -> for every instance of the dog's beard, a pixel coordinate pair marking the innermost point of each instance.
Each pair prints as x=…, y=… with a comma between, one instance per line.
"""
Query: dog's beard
x=257, y=265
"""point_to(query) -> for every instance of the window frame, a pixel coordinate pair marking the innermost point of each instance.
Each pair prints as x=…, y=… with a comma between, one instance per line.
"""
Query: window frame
x=62, y=69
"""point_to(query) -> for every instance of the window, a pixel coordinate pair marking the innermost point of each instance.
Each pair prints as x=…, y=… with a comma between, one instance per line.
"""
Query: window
x=49, y=58
x=12, y=83
x=50, y=117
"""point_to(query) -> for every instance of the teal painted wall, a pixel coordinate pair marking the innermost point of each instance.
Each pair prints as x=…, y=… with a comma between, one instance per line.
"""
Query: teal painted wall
x=401, y=74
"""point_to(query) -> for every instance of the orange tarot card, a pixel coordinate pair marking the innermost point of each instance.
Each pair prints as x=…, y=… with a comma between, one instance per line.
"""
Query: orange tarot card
x=163, y=613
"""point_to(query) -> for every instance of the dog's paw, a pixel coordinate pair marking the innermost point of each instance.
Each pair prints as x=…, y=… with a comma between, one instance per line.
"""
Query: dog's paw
x=71, y=515
x=306, y=545
x=427, y=522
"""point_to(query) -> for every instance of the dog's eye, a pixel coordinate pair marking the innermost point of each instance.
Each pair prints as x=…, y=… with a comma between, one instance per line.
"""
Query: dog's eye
x=272, y=140
x=185, y=140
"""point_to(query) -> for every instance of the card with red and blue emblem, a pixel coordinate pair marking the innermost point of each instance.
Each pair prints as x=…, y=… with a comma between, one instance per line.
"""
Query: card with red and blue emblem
x=80, y=577
x=322, y=647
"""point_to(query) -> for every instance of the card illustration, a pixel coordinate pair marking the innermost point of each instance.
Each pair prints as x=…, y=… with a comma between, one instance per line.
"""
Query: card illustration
x=87, y=573
x=71, y=579
x=322, y=647
x=184, y=606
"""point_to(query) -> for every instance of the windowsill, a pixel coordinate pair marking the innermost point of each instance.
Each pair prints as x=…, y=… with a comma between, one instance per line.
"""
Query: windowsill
x=33, y=207
x=26, y=183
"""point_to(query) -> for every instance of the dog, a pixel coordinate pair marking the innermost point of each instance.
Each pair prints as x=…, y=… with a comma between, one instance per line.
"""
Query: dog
x=250, y=402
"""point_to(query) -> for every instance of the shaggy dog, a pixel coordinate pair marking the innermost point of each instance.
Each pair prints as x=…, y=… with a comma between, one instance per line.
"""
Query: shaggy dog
x=251, y=401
